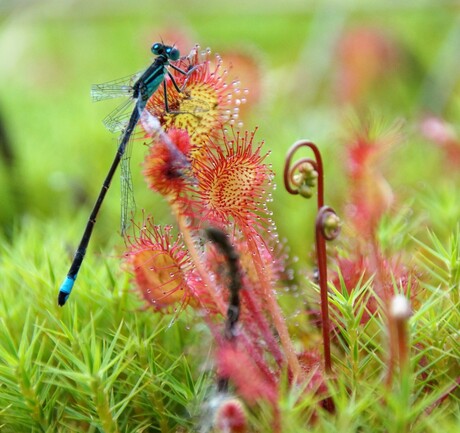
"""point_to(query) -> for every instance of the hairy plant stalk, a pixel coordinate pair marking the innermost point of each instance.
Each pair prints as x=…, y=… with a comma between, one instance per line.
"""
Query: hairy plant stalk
x=262, y=325
x=195, y=255
x=275, y=311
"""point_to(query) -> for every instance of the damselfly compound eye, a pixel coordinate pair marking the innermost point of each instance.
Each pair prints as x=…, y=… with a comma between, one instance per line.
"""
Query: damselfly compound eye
x=157, y=48
x=174, y=54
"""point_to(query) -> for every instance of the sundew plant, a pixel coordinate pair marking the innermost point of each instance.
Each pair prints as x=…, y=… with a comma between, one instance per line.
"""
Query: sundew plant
x=208, y=323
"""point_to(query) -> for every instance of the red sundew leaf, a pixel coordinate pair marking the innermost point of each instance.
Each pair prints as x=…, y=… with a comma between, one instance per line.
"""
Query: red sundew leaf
x=233, y=182
x=365, y=56
x=443, y=135
x=231, y=417
x=370, y=193
x=360, y=269
x=206, y=103
x=161, y=267
x=167, y=168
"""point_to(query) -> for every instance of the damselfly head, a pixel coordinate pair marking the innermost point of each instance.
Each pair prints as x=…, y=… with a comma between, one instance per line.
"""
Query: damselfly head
x=170, y=52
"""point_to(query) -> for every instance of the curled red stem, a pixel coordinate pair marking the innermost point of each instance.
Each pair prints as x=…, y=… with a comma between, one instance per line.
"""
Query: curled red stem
x=322, y=234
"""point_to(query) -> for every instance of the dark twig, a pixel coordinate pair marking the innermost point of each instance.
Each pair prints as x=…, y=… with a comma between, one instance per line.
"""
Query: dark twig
x=220, y=239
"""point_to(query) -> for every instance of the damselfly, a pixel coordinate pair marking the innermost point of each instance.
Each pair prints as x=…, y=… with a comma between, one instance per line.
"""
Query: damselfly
x=145, y=85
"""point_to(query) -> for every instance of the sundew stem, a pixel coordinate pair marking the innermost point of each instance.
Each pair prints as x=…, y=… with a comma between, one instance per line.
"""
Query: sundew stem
x=194, y=254
x=322, y=268
x=300, y=178
x=258, y=322
x=274, y=309
x=261, y=322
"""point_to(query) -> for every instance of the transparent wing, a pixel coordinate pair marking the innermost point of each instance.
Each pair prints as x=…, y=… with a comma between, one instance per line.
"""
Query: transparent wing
x=128, y=205
x=117, y=120
x=116, y=88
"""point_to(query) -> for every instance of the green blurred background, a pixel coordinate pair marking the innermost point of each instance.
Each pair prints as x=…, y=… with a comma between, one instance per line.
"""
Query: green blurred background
x=56, y=152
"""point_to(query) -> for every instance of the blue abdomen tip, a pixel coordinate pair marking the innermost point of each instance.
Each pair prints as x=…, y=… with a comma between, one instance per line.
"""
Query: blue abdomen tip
x=64, y=291
x=67, y=285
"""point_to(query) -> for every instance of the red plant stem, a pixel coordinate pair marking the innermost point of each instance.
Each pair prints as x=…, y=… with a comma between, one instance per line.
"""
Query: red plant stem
x=322, y=269
x=403, y=343
x=246, y=342
x=391, y=357
x=189, y=242
x=274, y=308
x=262, y=325
x=320, y=237
x=276, y=419
x=399, y=314
x=194, y=254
